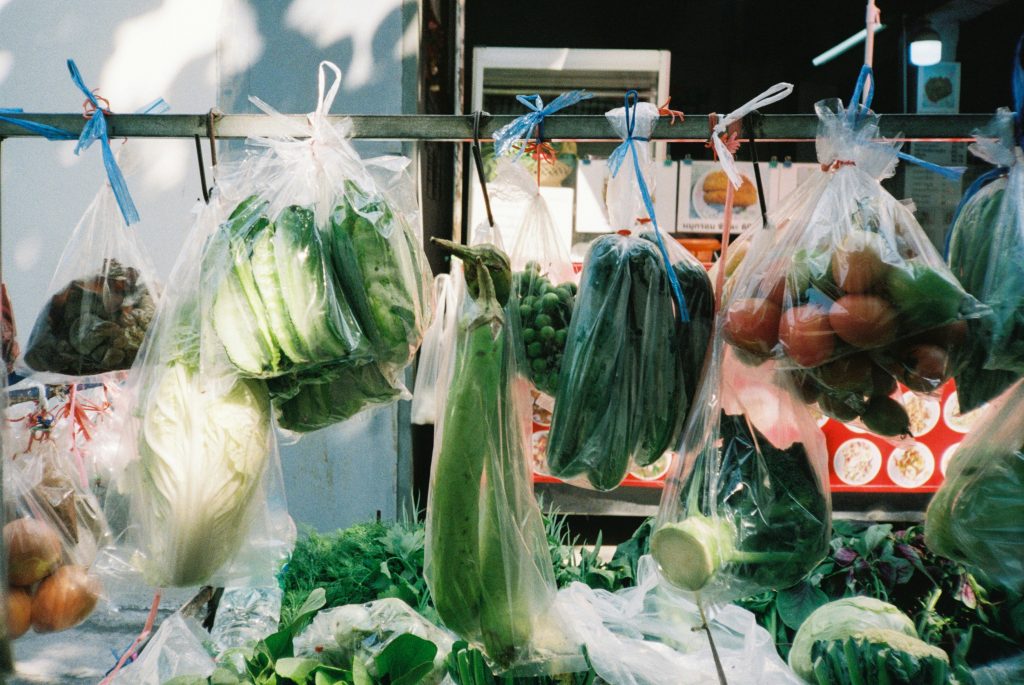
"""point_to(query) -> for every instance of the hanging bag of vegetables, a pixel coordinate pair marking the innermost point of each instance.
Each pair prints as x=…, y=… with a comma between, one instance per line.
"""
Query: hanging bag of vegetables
x=640, y=327
x=487, y=563
x=986, y=249
x=54, y=527
x=846, y=293
x=329, y=291
x=201, y=457
x=429, y=371
x=747, y=507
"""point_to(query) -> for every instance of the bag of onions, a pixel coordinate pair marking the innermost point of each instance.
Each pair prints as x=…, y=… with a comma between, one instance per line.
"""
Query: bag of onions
x=54, y=526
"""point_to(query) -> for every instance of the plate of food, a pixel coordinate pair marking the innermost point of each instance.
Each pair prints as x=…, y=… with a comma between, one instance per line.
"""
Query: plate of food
x=539, y=453
x=857, y=461
x=961, y=423
x=709, y=195
x=924, y=413
x=911, y=466
x=947, y=456
x=654, y=470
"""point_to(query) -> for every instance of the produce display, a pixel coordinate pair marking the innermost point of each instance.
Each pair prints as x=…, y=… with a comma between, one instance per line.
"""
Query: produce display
x=487, y=561
x=625, y=336
x=93, y=324
x=848, y=294
x=977, y=516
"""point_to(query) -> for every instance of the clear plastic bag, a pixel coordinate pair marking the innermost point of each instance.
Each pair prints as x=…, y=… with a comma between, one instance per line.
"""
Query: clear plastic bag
x=363, y=631
x=101, y=299
x=54, y=531
x=425, y=395
x=747, y=507
x=177, y=649
x=651, y=635
x=202, y=461
x=847, y=293
x=328, y=278
x=487, y=563
x=977, y=515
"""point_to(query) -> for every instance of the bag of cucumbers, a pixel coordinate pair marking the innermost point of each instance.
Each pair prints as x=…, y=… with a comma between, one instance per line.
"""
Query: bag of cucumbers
x=986, y=249
x=846, y=292
x=640, y=326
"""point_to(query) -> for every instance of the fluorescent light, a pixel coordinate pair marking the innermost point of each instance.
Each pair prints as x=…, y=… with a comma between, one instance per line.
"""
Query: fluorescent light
x=839, y=49
x=925, y=52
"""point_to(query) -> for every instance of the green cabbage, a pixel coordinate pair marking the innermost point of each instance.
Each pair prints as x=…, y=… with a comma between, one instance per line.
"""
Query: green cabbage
x=203, y=449
x=841, y=619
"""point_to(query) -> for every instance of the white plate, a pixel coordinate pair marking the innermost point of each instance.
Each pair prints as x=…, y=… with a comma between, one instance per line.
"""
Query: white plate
x=924, y=413
x=711, y=211
x=946, y=457
x=653, y=471
x=861, y=454
x=957, y=422
x=539, y=453
x=914, y=478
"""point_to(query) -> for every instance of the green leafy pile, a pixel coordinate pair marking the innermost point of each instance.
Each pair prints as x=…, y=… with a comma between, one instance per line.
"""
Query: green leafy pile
x=94, y=324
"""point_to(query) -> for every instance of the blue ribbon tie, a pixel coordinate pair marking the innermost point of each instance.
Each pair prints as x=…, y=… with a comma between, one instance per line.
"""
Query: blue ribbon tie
x=48, y=132
x=522, y=127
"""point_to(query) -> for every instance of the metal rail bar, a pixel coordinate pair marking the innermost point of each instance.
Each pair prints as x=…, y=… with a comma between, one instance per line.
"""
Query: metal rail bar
x=459, y=128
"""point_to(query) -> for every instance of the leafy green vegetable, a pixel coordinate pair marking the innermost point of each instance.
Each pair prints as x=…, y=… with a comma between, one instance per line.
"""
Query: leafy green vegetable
x=762, y=521
x=969, y=250
x=305, y=402
x=381, y=269
x=94, y=324
x=879, y=655
x=278, y=307
x=203, y=448
x=977, y=516
x=839, y=620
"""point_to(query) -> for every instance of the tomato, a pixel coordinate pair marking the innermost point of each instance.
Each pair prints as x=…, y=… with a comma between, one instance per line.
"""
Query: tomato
x=752, y=325
x=863, y=320
x=806, y=335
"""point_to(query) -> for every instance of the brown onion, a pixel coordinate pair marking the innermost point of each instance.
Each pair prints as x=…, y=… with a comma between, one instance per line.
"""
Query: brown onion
x=19, y=612
x=33, y=551
x=64, y=599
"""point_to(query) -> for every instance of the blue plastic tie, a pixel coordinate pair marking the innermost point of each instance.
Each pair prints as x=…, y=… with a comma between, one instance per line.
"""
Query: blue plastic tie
x=96, y=129
x=1017, y=87
x=522, y=127
x=684, y=313
x=48, y=132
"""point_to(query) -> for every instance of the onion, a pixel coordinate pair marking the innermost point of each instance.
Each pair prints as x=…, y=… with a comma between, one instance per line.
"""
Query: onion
x=64, y=599
x=19, y=612
x=33, y=551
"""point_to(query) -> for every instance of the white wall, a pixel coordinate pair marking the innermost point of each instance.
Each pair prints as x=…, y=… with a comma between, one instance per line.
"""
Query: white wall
x=197, y=54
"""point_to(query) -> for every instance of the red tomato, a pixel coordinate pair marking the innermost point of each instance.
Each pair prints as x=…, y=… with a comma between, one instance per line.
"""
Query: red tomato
x=752, y=325
x=806, y=335
x=863, y=320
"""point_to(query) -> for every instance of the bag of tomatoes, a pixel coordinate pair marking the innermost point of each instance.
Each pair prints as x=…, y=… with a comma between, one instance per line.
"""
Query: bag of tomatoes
x=54, y=526
x=846, y=293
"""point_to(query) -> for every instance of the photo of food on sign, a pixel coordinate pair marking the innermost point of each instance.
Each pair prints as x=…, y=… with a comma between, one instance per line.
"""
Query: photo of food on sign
x=708, y=195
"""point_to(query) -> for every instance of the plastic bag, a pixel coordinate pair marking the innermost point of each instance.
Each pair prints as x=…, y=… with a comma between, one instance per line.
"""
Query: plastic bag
x=651, y=635
x=363, y=631
x=487, y=562
x=977, y=515
x=424, y=398
x=986, y=248
x=847, y=293
x=9, y=349
x=629, y=335
x=54, y=528
x=747, y=508
x=175, y=650
x=202, y=459
x=101, y=299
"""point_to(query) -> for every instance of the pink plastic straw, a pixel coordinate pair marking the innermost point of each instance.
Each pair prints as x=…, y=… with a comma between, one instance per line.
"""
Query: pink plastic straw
x=146, y=630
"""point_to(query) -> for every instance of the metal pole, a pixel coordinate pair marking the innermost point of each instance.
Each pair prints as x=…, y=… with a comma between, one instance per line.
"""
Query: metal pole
x=459, y=128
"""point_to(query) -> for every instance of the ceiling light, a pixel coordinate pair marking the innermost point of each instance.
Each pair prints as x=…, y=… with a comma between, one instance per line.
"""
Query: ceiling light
x=925, y=47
